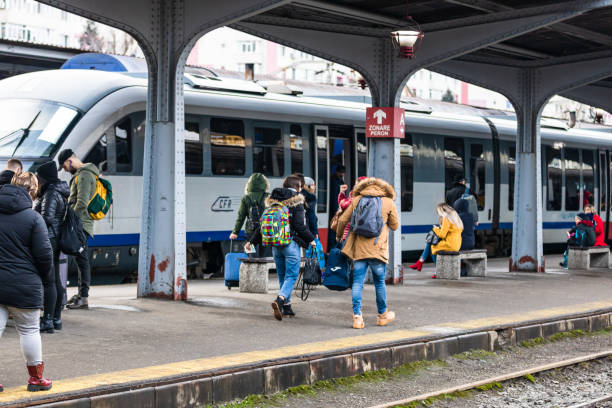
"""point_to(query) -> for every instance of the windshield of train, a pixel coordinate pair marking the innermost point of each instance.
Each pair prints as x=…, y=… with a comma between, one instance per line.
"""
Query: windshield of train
x=30, y=128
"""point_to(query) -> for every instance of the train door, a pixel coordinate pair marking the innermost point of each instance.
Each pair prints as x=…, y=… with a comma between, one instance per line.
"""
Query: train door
x=321, y=174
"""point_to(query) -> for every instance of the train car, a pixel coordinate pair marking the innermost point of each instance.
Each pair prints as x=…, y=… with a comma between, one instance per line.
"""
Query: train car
x=234, y=128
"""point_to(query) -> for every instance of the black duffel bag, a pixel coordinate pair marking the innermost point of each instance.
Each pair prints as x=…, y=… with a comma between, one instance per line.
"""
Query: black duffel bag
x=72, y=237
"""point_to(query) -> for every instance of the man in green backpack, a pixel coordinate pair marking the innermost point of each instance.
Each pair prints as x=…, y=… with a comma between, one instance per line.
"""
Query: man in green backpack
x=251, y=208
x=82, y=188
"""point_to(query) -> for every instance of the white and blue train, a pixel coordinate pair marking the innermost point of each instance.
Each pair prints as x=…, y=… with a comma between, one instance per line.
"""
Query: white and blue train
x=234, y=128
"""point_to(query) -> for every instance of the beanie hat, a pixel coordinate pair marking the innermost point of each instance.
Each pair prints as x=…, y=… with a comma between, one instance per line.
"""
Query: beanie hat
x=308, y=181
x=47, y=171
x=63, y=156
x=585, y=217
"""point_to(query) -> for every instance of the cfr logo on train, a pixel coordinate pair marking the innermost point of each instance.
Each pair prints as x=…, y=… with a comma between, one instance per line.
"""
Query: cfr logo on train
x=222, y=204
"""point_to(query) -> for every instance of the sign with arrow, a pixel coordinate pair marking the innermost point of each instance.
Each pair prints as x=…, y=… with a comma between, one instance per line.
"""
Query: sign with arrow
x=385, y=122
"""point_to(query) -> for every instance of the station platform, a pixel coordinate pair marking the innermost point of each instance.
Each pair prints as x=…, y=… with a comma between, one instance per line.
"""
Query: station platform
x=124, y=343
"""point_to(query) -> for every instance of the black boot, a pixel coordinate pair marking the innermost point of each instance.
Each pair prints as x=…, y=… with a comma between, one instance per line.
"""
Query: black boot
x=287, y=311
x=57, y=324
x=80, y=303
x=46, y=324
x=277, y=306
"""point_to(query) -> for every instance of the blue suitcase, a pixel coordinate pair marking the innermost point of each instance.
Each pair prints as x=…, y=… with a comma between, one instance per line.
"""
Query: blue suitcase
x=232, y=268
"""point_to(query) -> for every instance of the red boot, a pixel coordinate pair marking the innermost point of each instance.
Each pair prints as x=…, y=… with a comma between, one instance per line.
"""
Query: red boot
x=417, y=266
x=36, y=381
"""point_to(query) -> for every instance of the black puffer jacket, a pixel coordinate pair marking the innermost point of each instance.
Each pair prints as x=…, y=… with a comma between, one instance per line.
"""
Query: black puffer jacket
x=297, y=216
x=26, y=258
x=311, y=211
x=52, y=206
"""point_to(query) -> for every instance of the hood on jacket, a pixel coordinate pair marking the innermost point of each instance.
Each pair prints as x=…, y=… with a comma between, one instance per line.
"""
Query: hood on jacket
x=6, y=176
x=14, y=199
x=461, y=205
x=374, y=187
x=286, y=197
x=91, y=168
x=257, y=183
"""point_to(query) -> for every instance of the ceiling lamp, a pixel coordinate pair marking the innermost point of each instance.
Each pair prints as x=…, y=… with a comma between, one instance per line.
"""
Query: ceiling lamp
x=407, y=39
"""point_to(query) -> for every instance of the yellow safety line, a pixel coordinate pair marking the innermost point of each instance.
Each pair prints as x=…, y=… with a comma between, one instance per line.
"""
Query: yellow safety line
x=193, y=366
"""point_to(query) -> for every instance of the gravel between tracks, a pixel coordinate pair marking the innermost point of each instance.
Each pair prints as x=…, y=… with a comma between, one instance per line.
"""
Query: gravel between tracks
x=478, y=366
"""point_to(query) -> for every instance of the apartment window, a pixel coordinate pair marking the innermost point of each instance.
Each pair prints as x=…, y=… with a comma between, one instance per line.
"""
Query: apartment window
x=194, y=163
x=572, y=180
x=407, y=168
x=553, y=179
x=268, y=152
x=297, y=149
x=227, y=147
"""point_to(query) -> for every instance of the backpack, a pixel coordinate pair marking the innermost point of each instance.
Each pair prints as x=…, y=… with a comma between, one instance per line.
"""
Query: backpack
x=472, y=204
x=366, y=219
x=254, y=215
x=72, y=239
x=101, y=201
x=337, y=271
x=275, y=228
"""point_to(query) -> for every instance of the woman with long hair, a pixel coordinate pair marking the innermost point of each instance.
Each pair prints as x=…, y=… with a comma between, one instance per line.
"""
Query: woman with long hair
x=448, y=231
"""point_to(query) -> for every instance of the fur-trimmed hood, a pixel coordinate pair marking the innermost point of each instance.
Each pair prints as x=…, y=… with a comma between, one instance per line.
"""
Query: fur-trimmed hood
x=286, y=197
x=374, y=187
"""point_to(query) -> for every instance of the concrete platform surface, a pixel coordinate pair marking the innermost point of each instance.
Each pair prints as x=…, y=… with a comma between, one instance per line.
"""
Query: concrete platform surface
x=220, y=328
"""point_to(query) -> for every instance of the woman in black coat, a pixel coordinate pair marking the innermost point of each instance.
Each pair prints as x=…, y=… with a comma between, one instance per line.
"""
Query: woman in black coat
x=26, y=264
x=51, y=204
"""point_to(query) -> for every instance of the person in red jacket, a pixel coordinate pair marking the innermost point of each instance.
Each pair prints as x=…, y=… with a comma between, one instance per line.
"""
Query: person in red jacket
x=344, y=202
x=599, y=225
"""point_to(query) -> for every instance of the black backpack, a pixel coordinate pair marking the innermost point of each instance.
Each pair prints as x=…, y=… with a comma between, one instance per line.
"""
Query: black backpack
x=72, y=237
x=254, y=215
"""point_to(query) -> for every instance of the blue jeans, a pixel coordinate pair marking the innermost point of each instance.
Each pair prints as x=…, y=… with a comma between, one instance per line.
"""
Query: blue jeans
x=426, y=253
x=287, y=260
x=379, y=271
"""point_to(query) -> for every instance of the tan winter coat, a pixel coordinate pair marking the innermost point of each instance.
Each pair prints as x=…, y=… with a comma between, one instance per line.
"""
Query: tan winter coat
x=358, y=247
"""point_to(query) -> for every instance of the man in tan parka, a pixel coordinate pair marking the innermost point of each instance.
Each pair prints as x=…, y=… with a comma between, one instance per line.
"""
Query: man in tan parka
x=370, y=252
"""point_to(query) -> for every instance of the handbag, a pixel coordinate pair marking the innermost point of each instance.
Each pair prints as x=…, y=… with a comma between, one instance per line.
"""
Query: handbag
x=319, y=253
x=312, y=271
x=333, y=225
x=432, y=238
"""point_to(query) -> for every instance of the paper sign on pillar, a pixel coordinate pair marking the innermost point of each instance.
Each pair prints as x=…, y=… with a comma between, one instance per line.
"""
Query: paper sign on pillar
x=385, y=122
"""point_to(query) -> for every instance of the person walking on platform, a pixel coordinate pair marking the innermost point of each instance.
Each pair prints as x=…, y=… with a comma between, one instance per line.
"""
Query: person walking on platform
x=82, y=189
x=600, y=239
x=309, y=192
x=447, y=235
x=51, y=204
x=26, y=265
x=372, y=206
x=581, y=235
x=252, y=207
x=284, y=228
x=13, y=167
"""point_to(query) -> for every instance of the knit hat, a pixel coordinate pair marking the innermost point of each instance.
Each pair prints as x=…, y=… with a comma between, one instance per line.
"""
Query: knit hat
x=63, y=156
x=47, y=171
x=308, y=181
x=585, y=216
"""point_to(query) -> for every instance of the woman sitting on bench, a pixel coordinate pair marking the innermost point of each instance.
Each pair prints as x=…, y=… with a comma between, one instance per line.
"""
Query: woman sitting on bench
x=582, y=235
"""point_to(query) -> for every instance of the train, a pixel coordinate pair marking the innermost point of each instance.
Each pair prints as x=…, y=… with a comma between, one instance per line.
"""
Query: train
x=234, y=128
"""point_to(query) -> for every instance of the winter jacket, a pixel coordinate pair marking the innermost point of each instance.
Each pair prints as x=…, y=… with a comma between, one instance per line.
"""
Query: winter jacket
x=6, y=176
x=311, y=212
x=254, y=198
x=297, y=216
x=600, y=237
x=450, y=237
x=468, y=240
x=26, y=258
x=52, y=206
x=82, y=189
x=586, y=227
x=457, y=192
x=357, y=246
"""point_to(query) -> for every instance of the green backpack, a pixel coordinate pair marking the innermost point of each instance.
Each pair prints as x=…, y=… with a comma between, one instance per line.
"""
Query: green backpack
x=102, y=199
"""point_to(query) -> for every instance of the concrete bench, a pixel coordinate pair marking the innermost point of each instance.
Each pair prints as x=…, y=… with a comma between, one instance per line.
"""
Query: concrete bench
x=448, y=264
x=253, y=277
x=588, y=257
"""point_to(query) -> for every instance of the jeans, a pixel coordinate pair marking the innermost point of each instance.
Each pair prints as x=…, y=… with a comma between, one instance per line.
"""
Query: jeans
x=82, y=261
x=287, y=260
x=379, y=271
x=28, y=325
x=426, y=253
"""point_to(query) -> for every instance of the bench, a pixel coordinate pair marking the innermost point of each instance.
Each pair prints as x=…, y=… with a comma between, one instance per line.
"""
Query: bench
x=253, y=275
x=588, y=257
x=448, y=264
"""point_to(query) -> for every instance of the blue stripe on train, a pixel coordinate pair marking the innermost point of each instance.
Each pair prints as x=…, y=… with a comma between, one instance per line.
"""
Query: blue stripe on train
x=210, y=236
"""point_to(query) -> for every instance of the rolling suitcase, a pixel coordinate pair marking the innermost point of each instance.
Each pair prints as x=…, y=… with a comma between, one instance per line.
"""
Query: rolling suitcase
x=232, y=268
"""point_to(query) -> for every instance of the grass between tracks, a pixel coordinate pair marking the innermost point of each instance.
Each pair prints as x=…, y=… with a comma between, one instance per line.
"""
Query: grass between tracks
x=564, y=335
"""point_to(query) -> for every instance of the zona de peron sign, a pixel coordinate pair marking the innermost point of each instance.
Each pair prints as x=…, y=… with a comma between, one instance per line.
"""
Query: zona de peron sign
x=385, y=122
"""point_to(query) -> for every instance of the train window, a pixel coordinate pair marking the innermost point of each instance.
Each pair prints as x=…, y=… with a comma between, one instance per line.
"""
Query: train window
x=297, y=149
x=194, y=163
x=477, y=176
x=511, y=167
x=227, y=147
x=572, y=180
x=321, y=140
x=97, y=155
x=407, y=163
x=453, y=160
x=268, y=152
x=123, y=145
x=362, y=155
x=588, y=178
x=553, y=179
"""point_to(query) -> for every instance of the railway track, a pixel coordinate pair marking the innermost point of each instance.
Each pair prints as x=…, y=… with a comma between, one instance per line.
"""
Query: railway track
x=507, y=377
